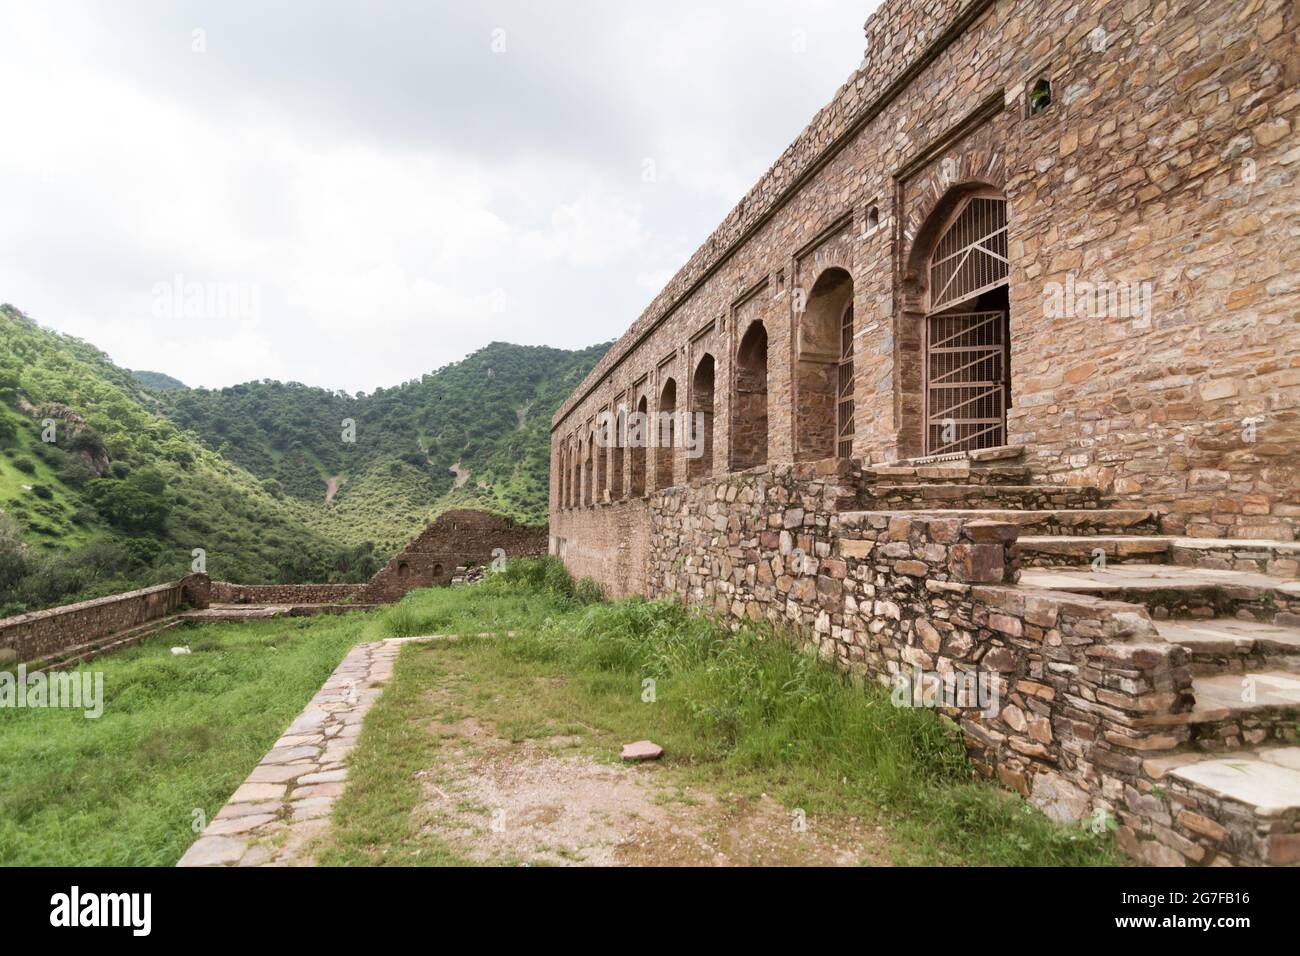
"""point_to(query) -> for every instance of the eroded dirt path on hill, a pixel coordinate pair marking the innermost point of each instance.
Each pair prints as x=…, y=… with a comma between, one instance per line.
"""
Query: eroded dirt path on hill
x=547, y=802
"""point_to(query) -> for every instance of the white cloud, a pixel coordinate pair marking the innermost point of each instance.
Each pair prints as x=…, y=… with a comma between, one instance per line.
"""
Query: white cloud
x=394, y=208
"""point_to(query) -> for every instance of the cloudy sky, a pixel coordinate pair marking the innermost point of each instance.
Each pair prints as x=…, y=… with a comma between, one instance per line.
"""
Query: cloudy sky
x=353, y=194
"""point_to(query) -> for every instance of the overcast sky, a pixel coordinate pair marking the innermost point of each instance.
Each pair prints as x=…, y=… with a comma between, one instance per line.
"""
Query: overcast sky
x=352, y=194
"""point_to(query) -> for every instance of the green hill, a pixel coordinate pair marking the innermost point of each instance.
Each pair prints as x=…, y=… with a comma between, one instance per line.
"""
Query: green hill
x=473, y=433
x=157, y=381
x=141, y=472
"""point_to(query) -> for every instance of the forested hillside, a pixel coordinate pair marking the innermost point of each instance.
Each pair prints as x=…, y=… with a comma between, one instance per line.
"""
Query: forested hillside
x=274, y=481
x=476, y=433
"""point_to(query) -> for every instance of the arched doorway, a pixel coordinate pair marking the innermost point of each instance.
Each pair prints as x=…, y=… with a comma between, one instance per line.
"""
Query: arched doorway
x=601, y=451
x=638, y=437
x=959, y=270
x=749, y=405
x=665, y=435
x=563, y=465
x=587, y=463
x=820, y=392
x=699, y=460
x=617, y=451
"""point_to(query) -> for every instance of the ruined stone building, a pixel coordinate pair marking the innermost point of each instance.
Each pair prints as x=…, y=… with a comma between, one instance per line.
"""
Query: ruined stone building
x=998, y=367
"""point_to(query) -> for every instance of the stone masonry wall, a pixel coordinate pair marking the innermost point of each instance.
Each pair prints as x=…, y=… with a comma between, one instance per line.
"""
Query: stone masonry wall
x=224, y=592
x=1086, y=692
x=38, y=634
x=1167, y=156
x=454, y=538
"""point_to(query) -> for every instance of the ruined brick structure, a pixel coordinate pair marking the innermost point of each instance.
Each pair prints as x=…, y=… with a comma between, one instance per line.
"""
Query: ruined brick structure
x=1020, y=301
x=63, y=636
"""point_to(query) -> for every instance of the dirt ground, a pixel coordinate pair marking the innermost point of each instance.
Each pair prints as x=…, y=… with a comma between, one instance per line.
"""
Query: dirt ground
x=545, y=802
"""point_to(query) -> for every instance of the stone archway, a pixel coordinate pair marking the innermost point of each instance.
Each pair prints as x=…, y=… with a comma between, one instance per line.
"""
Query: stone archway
x=665, y=435
x=699, y=461
x=638, y=437
x=818, y=363
x=749, y=403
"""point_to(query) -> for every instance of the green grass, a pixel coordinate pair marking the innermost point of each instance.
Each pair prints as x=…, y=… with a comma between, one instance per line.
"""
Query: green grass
x=178, y=734
x=745, y=713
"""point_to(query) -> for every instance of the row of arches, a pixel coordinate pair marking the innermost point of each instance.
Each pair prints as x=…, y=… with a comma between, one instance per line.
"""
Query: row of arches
x=592, y=471
x=955, y=296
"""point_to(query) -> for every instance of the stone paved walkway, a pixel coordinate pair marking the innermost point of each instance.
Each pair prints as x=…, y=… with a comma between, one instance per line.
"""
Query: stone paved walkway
x=286, y=801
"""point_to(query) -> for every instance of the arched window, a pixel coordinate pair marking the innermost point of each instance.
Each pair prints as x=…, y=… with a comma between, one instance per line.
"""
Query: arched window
x=562, y=463
x=971, y=254
x=617, y=451
x=749, y=404
x=601, y=451
x=587, y=462
x=699, y=453
x=819, y=366
x=665, y=435
x=638, y=436
x=967, y=328
x=844, y=388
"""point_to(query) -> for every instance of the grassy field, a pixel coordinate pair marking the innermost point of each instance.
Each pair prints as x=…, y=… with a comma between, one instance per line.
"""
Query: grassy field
x=178, y=734
x=743, y=713
x=739, y=714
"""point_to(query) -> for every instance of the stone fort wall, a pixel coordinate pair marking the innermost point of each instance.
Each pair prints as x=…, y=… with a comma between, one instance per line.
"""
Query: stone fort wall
x=1167, y=156
x=454, y=538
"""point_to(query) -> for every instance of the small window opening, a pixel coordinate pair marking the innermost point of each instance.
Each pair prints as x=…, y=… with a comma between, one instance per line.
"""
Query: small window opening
x=1040, y=96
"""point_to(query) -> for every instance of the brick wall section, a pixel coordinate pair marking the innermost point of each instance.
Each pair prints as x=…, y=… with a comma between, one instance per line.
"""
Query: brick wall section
x=42, y=633
x=460, y=537
x=454, y=538
x=1137, y=172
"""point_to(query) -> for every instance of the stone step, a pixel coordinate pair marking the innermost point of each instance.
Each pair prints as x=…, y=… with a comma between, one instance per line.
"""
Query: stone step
x=1076, y=550
x=1243, y=804
x=1171, y=591
x=1238, y=710
x=955, y=471
x=1230, y=646
x=1049, y=521
x=1278, y=559
x=971, y=495
x=79, y=653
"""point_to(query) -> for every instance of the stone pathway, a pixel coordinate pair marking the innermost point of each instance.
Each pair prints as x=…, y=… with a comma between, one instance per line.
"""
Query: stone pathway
x=286, y=801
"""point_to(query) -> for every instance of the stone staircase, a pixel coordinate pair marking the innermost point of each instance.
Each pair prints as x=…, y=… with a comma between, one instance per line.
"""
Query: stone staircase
x=1219, y=778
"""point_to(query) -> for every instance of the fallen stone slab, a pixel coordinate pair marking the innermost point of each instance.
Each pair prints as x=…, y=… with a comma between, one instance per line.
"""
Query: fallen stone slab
x=642, y=750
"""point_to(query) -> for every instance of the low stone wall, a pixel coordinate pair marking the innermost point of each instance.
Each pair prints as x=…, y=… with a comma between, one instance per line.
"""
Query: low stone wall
x=223, y=592
x=39, y=634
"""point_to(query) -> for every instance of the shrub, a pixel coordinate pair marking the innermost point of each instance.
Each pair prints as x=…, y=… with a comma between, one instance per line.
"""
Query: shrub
x=25, y=465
